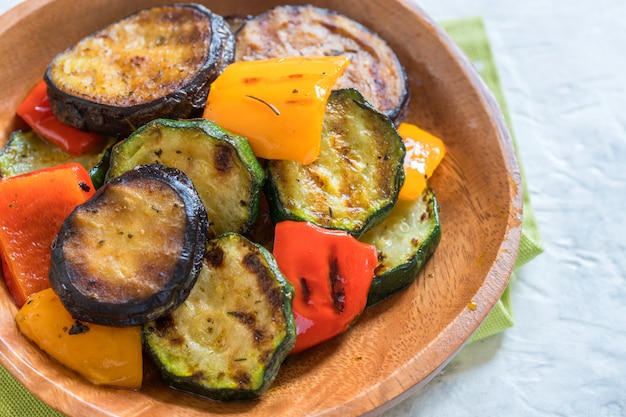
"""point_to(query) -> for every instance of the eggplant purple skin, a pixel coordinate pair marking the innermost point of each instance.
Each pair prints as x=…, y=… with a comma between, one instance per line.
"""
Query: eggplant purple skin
x=170, y=296
x=187, y=102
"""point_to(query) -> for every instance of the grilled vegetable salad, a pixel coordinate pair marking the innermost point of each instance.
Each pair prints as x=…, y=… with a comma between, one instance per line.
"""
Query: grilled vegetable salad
x=219, y=212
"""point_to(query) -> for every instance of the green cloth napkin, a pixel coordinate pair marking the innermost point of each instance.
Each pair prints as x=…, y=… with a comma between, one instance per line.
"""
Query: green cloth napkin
x=470, y=35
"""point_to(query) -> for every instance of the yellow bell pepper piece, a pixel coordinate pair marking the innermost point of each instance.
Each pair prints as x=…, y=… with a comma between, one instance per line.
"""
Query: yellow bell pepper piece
x=278, y=104
x=104, y=355
x=424, y=152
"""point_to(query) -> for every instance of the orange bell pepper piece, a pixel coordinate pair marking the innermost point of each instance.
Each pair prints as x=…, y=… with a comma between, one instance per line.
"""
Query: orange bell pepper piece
x=424, y=152
x=32, y=208
x=278, y=104
x=103, y=355
x=331, y=272
x=37, y=113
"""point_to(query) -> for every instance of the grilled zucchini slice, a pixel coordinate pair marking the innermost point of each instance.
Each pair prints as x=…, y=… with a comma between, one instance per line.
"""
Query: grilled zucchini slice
x=355, y=181
x=229, y=338
x=221, y=165
x=133, y=251
x=405, y=240
x=306, y=30
x=158, y=62
x=27, y=152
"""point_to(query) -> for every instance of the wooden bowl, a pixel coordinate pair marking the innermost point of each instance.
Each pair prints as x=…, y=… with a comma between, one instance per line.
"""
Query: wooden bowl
x=400, y=344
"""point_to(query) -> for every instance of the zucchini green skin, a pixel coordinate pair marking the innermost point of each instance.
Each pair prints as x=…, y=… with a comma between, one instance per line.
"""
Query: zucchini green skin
x=405, y=240
x=222, y=166
x=27, y=152
x=98, y=172
x=133, y=251
x=228, y=340
x=355, y=181
x=134, y=84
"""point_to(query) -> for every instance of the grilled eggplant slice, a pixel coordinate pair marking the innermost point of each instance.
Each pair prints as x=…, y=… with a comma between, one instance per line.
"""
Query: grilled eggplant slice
x=133, y=251
x=229, y=338
x=158, y=62
x=27, y=151
x=306, y=30
x=355, y=181
x=405, y=240
x=221, y=165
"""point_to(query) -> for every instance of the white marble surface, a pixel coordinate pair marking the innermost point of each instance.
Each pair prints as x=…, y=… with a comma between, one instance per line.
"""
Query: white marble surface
x=563, y=69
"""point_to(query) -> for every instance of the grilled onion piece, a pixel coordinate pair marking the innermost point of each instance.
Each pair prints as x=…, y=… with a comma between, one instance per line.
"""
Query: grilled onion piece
x=133, y=251
x=158, y=62
x=307, y=30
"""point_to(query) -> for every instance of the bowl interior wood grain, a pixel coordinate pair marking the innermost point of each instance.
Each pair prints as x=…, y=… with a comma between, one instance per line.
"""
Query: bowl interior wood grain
x=398, y=345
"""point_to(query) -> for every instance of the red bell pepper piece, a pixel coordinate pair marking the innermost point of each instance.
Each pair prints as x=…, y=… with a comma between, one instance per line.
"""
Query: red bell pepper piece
x=332, y=273
x=36, y=111
x=32, y=208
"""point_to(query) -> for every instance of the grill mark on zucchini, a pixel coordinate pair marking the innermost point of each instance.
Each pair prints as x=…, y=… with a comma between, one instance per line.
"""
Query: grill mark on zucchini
x=223, y=159
x=214, y=256
x=252, y=263
x=163, y=324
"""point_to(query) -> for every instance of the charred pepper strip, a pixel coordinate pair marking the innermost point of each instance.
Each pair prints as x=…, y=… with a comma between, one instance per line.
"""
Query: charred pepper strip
x=32, y=208
x=36, y=111
x=331, y=272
